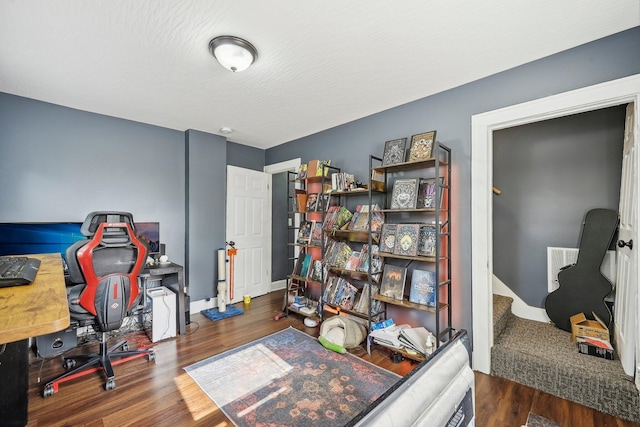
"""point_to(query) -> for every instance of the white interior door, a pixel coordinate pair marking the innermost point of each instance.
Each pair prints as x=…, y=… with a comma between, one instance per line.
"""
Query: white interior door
x=626, y=305
x=249, y=227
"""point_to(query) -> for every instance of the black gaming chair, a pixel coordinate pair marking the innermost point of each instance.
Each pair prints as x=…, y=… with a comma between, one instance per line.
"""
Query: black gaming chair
x=104, y=270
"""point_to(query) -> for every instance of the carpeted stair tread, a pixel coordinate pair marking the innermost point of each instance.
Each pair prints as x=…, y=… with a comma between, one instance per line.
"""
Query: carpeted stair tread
x=501, y=314
x=544, y=357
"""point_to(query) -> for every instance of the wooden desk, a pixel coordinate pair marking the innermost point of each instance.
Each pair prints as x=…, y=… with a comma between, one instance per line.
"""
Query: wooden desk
x=171, y=276
x=36, y=309
x=28, y=311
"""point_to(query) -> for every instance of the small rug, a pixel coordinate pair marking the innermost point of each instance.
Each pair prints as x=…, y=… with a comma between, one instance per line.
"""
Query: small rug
x=534, y=420
x=290, y=379
x=214, y=314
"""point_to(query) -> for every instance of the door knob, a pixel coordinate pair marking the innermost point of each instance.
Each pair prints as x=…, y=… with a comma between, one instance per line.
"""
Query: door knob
x=622, y=244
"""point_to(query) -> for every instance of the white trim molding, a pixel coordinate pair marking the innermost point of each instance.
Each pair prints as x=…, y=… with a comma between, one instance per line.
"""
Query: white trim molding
x=607, y=94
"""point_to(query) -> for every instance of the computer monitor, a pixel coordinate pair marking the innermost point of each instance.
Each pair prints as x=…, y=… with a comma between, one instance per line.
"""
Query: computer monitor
x=23, y=238
x=149, y=232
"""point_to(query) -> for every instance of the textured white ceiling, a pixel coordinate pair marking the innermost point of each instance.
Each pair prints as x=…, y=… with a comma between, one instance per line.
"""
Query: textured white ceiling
x=321, y=63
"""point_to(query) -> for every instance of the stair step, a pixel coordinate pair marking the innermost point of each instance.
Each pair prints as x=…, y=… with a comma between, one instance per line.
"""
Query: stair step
x=501, y=314
x=544, y=357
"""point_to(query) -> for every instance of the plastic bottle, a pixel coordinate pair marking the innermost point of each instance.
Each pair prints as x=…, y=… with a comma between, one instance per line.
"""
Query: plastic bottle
x=429, y=344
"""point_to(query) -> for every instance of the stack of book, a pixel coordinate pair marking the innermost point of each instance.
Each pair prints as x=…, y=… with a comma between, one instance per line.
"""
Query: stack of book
x=403, y=337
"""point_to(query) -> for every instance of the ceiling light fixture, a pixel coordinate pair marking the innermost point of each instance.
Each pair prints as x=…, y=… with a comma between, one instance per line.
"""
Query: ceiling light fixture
x=233, y=53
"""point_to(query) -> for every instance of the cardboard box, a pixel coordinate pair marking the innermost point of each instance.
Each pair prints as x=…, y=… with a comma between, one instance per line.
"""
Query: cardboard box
x=596, y=347
x=582, y=327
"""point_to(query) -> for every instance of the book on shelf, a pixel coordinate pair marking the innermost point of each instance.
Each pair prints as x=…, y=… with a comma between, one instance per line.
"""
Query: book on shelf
x=302, y=171
x=312, y=202
x=343, y=255
x=322, y=167
x=360, y=219
x=377, y=218
x=406, y=243
x=297, y=267
x=423, y=287
x=427, y=241
x=299, y=200
x=354, y=261
x=388, y=237
x=306, y=265
x=405, y=193
x=389, y=336
x=343, y=217
x=317, y=234
x=393, y=278
x=304, y=232
x=427, y=193
x=312, y=167
x=414, y=339
x=315, y=273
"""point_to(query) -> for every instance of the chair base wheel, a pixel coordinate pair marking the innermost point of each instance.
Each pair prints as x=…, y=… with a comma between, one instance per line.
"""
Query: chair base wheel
x=110, y=384
x=48, y=391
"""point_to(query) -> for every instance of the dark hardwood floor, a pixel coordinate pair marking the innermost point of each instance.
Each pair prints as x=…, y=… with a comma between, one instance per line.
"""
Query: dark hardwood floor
x=160, y=393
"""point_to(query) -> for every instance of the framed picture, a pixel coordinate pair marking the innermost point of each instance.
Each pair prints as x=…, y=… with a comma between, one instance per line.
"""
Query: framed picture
x=427, y=193
x=421, y=146
x=393, y=278
x=404, y=194
x=423, y=285
x=388, y=237
x=427, y=241
x=406, y=243
x=394, y=151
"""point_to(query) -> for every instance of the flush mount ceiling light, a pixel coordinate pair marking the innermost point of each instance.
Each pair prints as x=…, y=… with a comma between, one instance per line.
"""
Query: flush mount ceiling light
x=233, y=53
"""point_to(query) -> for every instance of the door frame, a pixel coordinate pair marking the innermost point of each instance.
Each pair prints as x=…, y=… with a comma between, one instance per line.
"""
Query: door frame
x=607, y=94
x=288, y=165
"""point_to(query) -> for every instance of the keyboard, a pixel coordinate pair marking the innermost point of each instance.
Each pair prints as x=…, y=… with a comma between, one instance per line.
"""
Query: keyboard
x=18, y=270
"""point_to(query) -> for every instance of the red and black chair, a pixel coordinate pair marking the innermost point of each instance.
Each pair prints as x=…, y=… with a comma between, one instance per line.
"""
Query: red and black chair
x=103, y=272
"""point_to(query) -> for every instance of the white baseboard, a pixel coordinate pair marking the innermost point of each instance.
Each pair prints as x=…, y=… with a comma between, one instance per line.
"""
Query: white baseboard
x=203, y=304
x=519, y=307
x=278, y=284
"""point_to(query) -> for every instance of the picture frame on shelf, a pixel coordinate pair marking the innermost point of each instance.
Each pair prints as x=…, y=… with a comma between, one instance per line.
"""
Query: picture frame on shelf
x=423, y=286
x=405, y=193
x=421, y=146
x=393, y=278
x=394, y=151
x=427, y=241
x=406, y=243
x=388, y=237
x=427, y=193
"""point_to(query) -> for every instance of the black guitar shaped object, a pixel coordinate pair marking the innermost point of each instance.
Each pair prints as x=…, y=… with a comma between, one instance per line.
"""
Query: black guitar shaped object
x=583, y=287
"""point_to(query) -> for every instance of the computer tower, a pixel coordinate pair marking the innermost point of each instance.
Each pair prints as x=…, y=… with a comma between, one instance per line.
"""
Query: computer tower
x=57, y=342
x=163, y=313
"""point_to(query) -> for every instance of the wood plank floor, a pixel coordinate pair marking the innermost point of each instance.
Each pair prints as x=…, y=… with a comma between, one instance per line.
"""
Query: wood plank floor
x=160, y=393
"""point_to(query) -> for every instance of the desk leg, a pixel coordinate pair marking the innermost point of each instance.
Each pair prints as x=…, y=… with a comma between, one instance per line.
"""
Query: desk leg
x=14, y=392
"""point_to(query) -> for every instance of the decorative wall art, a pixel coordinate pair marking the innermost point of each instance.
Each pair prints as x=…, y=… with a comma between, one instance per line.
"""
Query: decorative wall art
x=421, y=146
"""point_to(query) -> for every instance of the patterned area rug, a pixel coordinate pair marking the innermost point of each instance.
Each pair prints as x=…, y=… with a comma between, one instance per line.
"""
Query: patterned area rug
x=289, y=379
x=213, y=314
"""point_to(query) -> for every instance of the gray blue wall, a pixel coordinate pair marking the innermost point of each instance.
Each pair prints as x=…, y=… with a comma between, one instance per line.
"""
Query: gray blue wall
x=550, y=174
x=450, y=114
x=58, y=164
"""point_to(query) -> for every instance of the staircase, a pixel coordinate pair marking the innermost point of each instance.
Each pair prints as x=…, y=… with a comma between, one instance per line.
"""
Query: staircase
x=544, y=357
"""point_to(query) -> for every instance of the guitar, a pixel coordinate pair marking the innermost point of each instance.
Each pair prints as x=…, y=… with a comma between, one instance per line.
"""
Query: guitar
x=583, y=287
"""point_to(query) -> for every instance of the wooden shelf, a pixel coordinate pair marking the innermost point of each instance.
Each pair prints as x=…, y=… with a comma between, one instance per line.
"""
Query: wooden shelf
x=411, y=258
x=406, y=166
x=340, y=309
x=407, y=304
